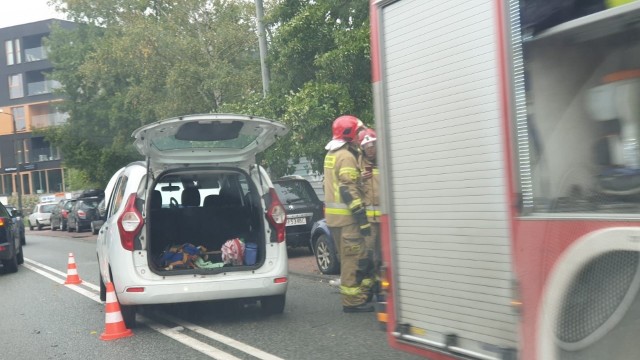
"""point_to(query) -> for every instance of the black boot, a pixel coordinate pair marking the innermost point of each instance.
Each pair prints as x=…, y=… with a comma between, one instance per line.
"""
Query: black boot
x=358, y=309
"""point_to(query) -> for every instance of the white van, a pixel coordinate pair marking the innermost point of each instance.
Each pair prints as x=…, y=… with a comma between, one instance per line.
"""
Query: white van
x=169, y=217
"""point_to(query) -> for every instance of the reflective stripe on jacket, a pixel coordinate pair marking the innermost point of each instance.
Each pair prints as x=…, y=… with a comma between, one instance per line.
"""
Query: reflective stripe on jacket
x=371, y=187
x=340, y=169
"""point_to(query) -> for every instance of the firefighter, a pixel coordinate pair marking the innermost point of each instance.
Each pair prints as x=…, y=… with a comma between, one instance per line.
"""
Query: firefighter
x=346, y=216
x=370, y=179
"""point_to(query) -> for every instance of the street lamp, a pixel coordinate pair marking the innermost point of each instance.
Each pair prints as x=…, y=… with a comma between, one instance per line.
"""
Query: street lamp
x=15, y=155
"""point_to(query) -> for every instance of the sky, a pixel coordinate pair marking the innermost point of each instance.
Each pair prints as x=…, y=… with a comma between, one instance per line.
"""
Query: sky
x=16, y=12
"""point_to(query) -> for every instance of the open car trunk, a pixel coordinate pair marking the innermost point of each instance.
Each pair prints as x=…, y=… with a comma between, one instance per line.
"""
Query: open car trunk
x=193, y=212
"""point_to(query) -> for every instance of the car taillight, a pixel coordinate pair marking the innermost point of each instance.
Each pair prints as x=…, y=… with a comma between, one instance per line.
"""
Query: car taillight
x=82, y=214
x=129, y=223
x=1, y=222
x=276, y=215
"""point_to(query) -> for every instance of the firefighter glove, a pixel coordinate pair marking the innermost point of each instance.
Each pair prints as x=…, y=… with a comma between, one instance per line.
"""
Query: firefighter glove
x=360, y=216
x=365, y=230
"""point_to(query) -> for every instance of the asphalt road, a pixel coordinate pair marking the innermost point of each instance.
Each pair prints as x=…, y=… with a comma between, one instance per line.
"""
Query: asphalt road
x=44, y=319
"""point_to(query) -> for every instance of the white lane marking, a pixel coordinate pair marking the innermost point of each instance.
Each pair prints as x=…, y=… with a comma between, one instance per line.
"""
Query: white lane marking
x=197, y=345
x=50, y=269
x=189, y=341
x=75, y=288
x=223, y=339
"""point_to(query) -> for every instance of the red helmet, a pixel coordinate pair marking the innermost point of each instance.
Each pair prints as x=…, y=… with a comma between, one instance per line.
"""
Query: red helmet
x=366, y=136
x=345, y=127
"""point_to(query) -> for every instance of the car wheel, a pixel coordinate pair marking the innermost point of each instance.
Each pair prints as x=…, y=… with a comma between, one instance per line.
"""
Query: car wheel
x=11, y=265
x=326, y=255
x=30, y=226
x=20, y=256
x=39, y=225
x=128, y=315
x=272, y=305
x=103, y=289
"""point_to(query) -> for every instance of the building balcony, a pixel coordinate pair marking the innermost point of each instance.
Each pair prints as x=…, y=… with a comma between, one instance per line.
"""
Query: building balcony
x=35, y=54
x=46, y=120
x=42, y=87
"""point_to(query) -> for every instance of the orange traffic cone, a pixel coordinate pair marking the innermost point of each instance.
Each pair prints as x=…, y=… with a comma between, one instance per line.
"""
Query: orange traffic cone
x=72, y=271
x=114, y=324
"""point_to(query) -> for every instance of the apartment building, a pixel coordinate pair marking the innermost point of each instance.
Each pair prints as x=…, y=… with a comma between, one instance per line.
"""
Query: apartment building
x=27, y=103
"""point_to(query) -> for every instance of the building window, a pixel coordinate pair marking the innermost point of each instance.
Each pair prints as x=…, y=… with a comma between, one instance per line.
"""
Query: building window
x=16, y=90
x=18, y=115
x=54, y=180
x=8, y=50
x=18, y=53
x=12, y=50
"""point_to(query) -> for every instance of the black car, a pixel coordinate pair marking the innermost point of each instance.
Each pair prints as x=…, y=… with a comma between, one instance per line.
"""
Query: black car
x=84, y=211
x=60, y=213
x=16, y=215
x=324, y=248
x=96, y=224
x=10, y=246
x=302, y=206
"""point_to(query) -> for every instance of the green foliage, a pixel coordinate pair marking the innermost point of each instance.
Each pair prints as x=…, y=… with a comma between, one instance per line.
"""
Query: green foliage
x=320, y=64
x=132, y=62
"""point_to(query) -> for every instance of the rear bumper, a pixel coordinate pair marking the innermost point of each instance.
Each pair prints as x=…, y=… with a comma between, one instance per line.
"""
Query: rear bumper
x=298, y=238
x=189, y=291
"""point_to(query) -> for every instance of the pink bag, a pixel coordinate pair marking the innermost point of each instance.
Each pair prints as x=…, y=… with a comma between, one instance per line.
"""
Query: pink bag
x=233, y=252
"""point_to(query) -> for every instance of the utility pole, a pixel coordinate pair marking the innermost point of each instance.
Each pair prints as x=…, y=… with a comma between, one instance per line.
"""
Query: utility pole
x=15, y=156
x=262, y=42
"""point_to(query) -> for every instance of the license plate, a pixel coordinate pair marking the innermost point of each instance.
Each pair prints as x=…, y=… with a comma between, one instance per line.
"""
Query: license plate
x=296, y=221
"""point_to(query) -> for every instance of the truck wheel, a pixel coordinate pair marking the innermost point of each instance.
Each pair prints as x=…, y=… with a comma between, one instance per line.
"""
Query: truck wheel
x=326, y=255
x=272, y=305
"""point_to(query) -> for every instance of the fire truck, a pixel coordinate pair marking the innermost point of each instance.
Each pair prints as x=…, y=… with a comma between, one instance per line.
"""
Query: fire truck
x=509, y=154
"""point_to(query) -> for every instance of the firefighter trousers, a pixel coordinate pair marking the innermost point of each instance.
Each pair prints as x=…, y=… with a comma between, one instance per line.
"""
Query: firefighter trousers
x=373, y=246
x=356, y=267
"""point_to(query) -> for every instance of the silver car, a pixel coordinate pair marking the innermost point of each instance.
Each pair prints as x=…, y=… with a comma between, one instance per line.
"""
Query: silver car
x=41, y=215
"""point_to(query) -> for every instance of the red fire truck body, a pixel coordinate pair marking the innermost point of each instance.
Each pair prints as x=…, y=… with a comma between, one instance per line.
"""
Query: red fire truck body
x=510, y=177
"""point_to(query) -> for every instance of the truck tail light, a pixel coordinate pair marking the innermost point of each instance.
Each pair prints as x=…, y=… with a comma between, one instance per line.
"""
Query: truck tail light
x=129, y=223
x=276, y=215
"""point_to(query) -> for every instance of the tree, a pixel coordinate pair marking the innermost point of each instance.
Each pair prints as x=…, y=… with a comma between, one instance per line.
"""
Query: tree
x=130, y=62
x=320, y=64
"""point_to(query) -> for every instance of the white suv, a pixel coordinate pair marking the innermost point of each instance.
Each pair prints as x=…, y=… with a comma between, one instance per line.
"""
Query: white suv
x=199, y=188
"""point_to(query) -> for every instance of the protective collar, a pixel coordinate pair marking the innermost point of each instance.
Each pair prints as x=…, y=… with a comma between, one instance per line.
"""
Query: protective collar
x=334, y=145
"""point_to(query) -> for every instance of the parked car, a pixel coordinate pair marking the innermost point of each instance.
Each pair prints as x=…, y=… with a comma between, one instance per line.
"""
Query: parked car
x=41, y=215
x=10, y=246
x=83, y=213
x=324, y=248
x=302, y=205
x=96, y=224
x=200, y=191
x=16, y=215
x=60, y=213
